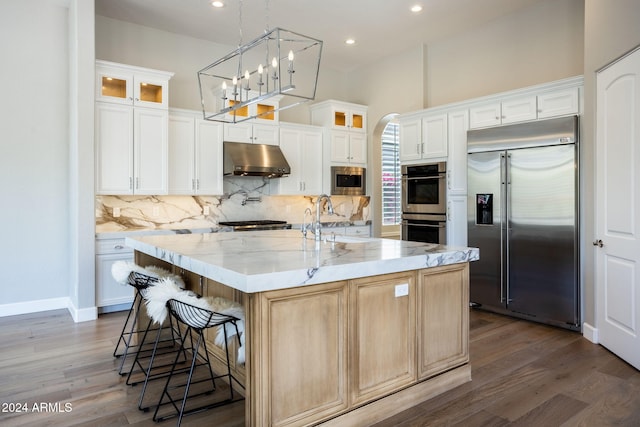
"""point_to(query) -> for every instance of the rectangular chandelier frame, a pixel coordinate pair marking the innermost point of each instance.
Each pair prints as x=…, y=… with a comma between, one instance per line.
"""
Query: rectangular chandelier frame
x=281, y=64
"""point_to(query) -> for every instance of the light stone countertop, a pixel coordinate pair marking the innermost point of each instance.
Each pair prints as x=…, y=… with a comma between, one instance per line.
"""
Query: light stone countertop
x=256, y=261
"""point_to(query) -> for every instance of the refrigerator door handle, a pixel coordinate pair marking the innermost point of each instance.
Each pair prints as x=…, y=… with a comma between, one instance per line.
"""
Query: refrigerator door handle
x=507, y=209
x=503, y=183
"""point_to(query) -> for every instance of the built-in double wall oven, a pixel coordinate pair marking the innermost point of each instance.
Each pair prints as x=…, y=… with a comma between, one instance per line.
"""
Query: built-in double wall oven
x=424, y=201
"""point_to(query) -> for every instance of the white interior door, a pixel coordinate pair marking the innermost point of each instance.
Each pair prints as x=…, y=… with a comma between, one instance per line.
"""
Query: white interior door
x=618, y=208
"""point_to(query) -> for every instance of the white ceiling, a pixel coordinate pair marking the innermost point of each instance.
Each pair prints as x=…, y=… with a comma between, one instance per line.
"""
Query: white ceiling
x=380, y=27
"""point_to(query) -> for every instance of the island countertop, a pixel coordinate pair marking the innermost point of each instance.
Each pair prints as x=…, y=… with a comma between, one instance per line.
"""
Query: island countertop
x=258, y=261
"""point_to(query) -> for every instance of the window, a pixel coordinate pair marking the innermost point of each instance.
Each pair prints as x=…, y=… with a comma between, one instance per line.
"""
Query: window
x=391, y=207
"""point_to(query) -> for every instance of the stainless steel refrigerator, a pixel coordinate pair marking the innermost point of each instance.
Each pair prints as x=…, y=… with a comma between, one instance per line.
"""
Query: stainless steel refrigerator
x=523, y=216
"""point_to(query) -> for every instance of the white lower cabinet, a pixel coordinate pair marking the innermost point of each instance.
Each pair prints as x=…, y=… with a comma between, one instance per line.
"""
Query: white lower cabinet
x=358, y=230
x=109, y=293
x=302, y=147
x=195, y=155
x=349, y=230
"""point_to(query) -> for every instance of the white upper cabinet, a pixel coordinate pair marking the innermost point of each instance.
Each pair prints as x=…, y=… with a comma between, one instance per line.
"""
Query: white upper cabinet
x=131, y=150
x=339, y=115
x=302, y=147
x=514, y=109
x=558, y=103
x=434, y=136
x=483, y=115
x=424, y=137
x=130, y=85
x=131, y=129
x=252, y=133
x=195, y=155
x=346, y=135
x=348, y=148
x=519, y=109
x=265, y=111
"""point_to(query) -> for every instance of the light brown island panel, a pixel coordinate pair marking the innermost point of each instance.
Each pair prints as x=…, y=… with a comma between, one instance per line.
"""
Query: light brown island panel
x=351, y=352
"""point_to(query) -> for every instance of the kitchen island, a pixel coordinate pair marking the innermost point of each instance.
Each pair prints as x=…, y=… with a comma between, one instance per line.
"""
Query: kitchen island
x=341, y=332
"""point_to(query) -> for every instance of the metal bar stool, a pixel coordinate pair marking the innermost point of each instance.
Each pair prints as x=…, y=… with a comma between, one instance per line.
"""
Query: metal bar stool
x=140, y=278
x=158, y=295
x=139, y=281
x=196, y=319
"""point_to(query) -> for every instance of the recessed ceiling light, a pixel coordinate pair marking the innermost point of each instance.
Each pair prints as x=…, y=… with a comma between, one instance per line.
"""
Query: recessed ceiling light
x=217, y=3
x=350, y=41
x=415, y=9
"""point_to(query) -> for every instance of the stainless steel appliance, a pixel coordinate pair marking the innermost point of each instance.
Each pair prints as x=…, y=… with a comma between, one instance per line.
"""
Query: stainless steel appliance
x=429, y=228
x=424, y=198
x=253, y=225
x=523, y=216
x=242, y=159
x=348, y=181
x=424, y=188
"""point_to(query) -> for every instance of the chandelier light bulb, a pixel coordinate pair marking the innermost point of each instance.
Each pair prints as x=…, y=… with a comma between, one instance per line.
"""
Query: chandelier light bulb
x=274, y=62
x=235, y=81
x=260, y=69
x=290, y=56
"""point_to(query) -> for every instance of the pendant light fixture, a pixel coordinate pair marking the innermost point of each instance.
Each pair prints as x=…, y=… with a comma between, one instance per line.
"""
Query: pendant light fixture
x=280, y=65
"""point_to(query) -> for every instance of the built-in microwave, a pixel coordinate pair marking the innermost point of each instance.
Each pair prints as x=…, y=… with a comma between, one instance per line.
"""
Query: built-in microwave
x=348, y=181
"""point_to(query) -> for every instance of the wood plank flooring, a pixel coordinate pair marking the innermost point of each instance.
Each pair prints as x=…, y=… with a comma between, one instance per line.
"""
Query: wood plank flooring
x=524, y=374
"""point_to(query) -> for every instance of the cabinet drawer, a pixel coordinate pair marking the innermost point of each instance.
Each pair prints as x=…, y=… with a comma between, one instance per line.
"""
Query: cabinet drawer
x=112, y=246
x=358, y=230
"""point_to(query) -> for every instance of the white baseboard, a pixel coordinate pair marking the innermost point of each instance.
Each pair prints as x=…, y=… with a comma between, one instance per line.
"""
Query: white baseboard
x=82, y=314
x=33, y=306
x=590, y=333
x=27, y=307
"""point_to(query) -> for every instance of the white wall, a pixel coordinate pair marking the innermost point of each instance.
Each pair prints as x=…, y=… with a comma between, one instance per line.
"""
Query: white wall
x=539, y=44
x=81, y=77
x=34, y=149
x=127, y=43
x=536, y=45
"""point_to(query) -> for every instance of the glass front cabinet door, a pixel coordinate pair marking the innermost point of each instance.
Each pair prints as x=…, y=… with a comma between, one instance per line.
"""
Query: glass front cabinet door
x=130, y=85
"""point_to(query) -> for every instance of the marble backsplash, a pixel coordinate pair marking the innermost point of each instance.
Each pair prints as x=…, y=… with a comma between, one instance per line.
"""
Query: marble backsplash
x=243, y=199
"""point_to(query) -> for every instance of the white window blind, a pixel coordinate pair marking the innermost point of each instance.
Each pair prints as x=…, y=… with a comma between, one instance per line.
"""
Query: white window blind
x=391, y=207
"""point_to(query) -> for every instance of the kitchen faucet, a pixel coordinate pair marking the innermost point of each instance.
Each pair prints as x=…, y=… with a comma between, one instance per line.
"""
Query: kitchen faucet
x=317, y=227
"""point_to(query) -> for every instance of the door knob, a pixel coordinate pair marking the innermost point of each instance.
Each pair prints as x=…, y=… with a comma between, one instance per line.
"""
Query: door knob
x=598, y=243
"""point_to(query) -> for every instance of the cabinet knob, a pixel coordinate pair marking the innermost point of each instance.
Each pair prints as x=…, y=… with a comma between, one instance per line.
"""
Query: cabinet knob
x=118, y=247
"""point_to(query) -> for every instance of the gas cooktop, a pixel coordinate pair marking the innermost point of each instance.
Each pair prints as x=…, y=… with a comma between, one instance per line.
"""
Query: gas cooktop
x=260, y=224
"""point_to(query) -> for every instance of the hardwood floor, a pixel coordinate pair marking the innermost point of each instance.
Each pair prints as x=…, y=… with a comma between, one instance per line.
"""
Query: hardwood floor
x=524, y=374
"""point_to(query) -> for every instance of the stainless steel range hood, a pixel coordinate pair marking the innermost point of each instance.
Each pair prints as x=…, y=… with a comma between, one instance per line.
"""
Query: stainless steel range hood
x=242, y=159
